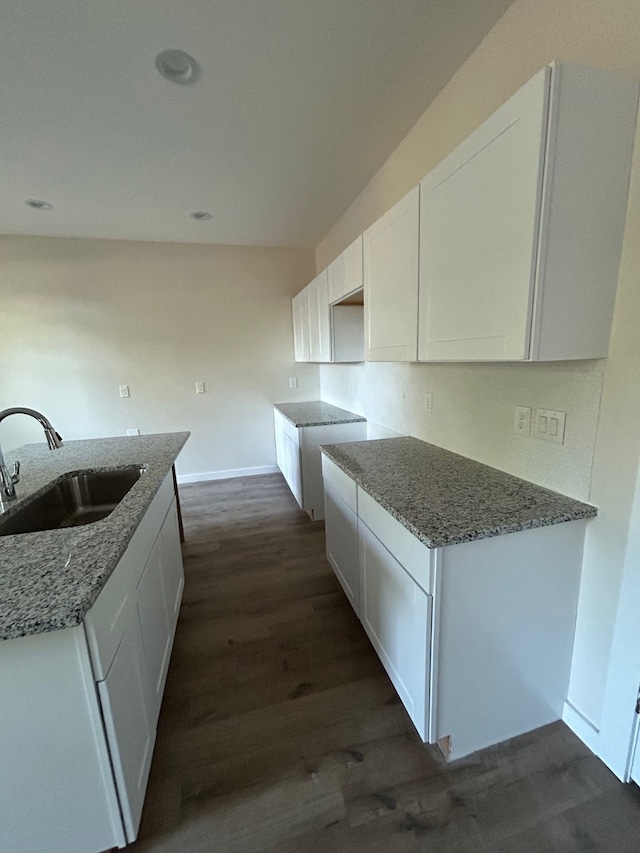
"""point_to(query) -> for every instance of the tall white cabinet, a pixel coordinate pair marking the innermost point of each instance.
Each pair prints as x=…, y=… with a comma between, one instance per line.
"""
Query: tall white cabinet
x=521, y=226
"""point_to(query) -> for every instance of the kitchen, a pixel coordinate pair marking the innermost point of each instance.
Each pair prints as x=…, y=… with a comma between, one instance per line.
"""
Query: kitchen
x=83, y=316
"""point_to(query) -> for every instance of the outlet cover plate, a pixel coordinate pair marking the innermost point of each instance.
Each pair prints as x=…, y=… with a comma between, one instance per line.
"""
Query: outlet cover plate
x=522, y=420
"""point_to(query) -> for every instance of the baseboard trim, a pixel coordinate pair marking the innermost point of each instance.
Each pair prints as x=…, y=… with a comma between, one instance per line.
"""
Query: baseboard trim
x=581, y=726
x=227, y=475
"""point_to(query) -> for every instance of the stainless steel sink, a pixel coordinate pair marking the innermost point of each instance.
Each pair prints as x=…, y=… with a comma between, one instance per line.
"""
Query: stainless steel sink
x=76, y=499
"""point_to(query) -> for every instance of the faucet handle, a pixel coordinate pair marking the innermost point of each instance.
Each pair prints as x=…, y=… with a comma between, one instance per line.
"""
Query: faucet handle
x=15, y=473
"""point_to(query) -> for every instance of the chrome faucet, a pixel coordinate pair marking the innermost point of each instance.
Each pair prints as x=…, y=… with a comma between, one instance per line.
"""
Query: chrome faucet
x=8, y=479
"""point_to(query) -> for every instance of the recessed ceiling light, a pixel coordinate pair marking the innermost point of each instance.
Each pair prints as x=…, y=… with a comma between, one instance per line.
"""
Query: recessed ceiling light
x=177, y=66
x=38, y=204
x=200, y=215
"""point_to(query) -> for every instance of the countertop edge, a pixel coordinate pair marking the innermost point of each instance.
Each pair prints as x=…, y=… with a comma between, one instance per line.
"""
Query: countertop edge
x=582, y=511
x=117, y=533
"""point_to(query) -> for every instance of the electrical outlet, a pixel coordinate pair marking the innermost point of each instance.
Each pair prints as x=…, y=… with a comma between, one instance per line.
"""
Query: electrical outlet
x=124, y=391
x=200, y=387
x=133, y=432
x=293, y=382
x=550, y=425
x=522, y=420
x=428, y=403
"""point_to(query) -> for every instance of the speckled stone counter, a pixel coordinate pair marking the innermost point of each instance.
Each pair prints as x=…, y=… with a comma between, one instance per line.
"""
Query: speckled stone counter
x=446, y=499
x=316, y=413
x=50, y=579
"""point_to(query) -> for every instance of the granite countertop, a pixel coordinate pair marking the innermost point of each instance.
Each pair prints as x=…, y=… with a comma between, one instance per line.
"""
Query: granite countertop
x=316, y=413
x=445, y=499
x=50, y=579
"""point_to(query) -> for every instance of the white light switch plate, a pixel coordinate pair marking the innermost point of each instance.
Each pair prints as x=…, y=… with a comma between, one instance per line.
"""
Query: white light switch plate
x=124, y=391
x=550, y=425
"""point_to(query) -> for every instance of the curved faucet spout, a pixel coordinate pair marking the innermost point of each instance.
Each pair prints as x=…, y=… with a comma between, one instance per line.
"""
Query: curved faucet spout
x=53, y=439
x=8, y=479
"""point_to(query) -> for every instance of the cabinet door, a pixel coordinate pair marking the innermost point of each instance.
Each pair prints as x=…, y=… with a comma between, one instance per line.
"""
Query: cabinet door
x=172, y=568
x=345, y=274
x=391, y=282
x=341, y=532
x=396, y=614
x=300, y=309
x=479, y=220
x=131, y=735
x=156, y=631
x=319, y=324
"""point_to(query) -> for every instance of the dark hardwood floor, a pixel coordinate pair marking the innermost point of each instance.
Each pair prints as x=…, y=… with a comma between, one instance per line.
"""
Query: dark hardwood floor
x=280, y=731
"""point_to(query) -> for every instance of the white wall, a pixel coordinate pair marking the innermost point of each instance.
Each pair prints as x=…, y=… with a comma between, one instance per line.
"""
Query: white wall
x=473, y=404
x=80, y=317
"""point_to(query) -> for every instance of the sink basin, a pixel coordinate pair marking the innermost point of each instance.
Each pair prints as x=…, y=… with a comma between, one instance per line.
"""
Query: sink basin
x=76, y=499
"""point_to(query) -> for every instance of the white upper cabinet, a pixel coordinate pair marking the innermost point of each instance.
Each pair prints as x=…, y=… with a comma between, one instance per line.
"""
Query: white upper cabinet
x=319, y=319
x=300, y=309
x=391, y=282
x=521, y=226
x=345, y=273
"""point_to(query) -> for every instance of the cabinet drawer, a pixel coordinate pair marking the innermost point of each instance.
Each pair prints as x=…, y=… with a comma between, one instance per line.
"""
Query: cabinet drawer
x=339, y=483
x=291, y=431
x=107, y=619
x=416, y=558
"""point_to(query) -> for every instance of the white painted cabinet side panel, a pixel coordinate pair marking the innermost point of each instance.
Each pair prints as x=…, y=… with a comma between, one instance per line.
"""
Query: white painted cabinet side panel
x=479, y=235
x=507, y=616
x=124, y=697
x=353, y=270
x=390, y=249
x=56, y=787
x=335, y=279
x=593, y=117
x=313, y=320
x=347, y=323
x=300, y=316
x=311, y=438
x=323, y=318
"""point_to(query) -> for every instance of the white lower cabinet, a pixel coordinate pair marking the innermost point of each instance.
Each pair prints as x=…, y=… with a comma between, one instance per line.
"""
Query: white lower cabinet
x=396, y=614
x=79, y=706
x=130, y=729
x=298, y=456
x=341, y=528
x=155, y=627
x=476, y=637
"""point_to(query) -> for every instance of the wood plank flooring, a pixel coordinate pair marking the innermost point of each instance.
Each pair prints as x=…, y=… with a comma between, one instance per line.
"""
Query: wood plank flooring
x=280, y=732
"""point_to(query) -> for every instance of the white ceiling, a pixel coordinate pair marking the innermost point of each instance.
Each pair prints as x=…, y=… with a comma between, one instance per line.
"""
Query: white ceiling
x=298, y=104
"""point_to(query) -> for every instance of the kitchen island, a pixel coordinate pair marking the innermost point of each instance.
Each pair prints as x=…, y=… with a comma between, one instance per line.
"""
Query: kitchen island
x=50, y=579
x=466, y=581
x=88, y=616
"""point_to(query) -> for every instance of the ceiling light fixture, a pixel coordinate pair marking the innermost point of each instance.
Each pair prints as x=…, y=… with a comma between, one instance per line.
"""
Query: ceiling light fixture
x=38, y=204
x=177, y=66
x=200, y=215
